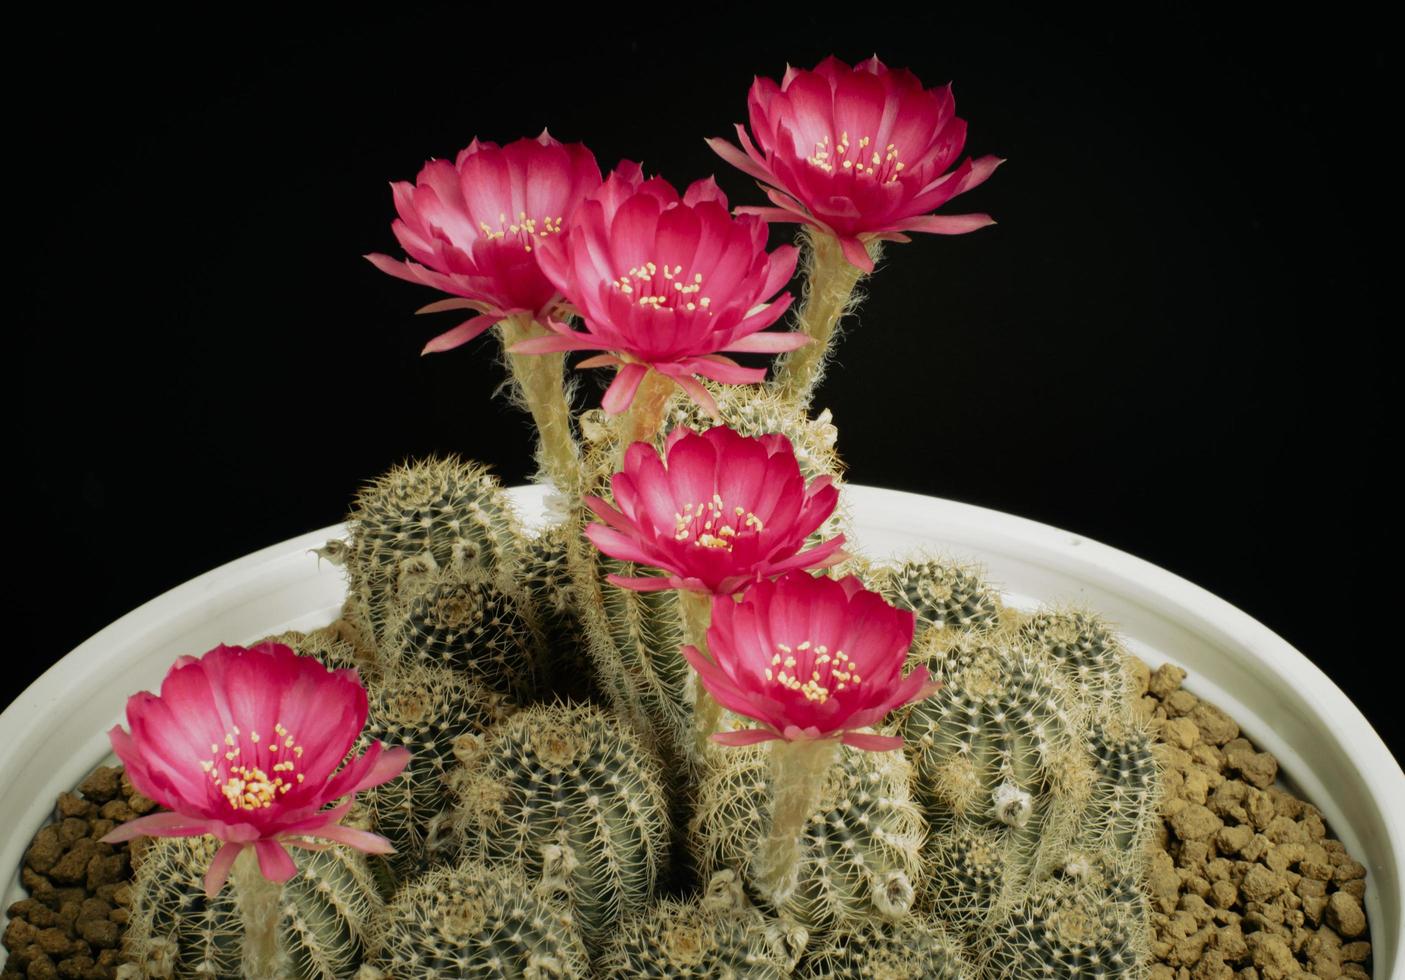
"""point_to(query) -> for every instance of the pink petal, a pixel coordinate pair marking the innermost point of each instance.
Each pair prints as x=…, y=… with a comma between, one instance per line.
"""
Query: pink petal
x=362, y=840
x=461, y=334
x=872, y=743
x=456, y=303
x=775, y=215
x=947, y=224
x=555, y=344
x=855, y=252
x=738, y=159
x=642, y=583
x=745, y=736
x=218, y=871
x=275, y=863
x=600, y=360
x=618, y=544
x=768, y=342
x=159, y=825
x=621, y=391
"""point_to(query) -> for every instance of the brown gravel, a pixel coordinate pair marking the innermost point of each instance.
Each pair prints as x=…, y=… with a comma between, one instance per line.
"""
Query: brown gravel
x=1247, y=883
x=71, y=925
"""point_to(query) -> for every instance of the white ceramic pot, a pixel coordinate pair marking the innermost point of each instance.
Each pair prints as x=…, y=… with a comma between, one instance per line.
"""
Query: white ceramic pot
x=56, y=732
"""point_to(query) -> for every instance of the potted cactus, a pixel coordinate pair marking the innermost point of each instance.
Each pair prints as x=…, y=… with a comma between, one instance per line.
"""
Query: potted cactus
x=683, y=726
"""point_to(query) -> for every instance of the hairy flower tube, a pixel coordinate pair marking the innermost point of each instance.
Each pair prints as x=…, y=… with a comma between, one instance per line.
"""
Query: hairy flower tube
x=809, y=658
x=472, y=228
x=666, y=283
x=717, y=511
x=859, y=153
x=248, y=745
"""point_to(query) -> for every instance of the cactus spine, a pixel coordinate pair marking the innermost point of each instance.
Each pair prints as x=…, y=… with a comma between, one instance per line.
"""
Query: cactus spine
x=421, y=518
x=466, y=622
x=176, y=932
x=915, y=949
x=860, y=847
x=429, y=710
x=1067, y=929
x=563, y=786
x=473, y=922
x=715, y=935
x=941, y=595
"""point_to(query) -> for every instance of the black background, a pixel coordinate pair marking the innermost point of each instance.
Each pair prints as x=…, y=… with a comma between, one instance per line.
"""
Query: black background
x=1170, y=343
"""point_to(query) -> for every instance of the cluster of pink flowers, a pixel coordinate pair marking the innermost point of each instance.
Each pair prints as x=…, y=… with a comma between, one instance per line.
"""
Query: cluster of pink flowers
x=673, y=283
x=806, y=657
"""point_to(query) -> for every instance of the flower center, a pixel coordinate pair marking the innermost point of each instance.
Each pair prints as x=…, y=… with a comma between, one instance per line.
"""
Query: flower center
x=842, y=156
x=828, y=673
x=524, y=231
x=244, y=781
x=659, y=287
x=713, y=525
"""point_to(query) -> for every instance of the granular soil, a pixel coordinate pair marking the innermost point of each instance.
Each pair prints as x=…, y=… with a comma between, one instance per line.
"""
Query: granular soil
x=71, y=924
x=1246, y=883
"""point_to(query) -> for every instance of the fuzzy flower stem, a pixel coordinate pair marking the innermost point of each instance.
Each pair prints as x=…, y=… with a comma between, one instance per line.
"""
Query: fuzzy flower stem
x=829, y=294
x=697, y=616
x=798, y=771
x=540, y=380
x=260, y=908
x=644, y=417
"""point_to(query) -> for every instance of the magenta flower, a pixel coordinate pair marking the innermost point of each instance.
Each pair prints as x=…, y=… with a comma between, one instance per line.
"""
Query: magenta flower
x=722, y=511
x=245, y=744
x=809, y=658
x=473, y=226
x=666, y=283
x=857, y=152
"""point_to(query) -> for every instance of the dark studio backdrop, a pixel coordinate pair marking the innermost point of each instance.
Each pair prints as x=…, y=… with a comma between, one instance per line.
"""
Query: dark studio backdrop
x=1169, y=343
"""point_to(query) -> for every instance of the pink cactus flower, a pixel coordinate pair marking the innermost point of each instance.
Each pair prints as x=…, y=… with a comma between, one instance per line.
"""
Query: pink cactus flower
x=858, y=153
x=809, y=658
x=473, y=226
x=721, y=511
x=666, y=283
x=247, y=745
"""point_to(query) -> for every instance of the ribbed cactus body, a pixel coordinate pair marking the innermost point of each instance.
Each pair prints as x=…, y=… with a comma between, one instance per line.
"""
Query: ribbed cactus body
x=420, y=518
x=635, y=642
x=967, y=874
x=470, y=624
x=1122, y=810
x=917, y=948
x=176, y=932
x=941, y=595
x=1065, y=929
x=860, y=853
x=549, y=594
x=472, y=922
x=1087, y=654
x=997, y=747
x=691, y=940
x=565, y=792
x=428, y=710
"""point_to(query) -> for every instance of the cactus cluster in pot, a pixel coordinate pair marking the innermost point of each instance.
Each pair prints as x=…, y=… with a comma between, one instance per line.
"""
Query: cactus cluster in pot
x=684, y=728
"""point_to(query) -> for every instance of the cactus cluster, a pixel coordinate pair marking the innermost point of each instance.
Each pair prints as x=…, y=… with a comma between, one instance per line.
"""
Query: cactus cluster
x=572, y=837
